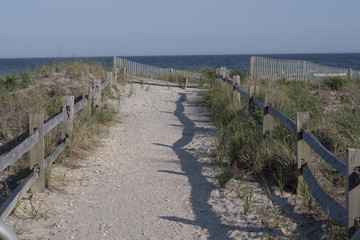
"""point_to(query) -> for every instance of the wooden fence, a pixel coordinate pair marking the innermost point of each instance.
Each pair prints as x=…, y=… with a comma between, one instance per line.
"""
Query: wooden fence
x=152, y=72
x=350, y=168
x=34, y=143
x=296, y=69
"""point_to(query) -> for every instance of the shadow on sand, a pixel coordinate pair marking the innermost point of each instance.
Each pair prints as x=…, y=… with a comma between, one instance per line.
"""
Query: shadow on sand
x=200, y=187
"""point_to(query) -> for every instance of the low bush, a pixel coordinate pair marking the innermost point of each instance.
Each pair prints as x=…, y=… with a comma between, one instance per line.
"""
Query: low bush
x=208, y=74
x=11, y=82
x=335, y=83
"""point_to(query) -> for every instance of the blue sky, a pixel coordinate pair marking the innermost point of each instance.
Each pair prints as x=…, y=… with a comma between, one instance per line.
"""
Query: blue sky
x=75, y=28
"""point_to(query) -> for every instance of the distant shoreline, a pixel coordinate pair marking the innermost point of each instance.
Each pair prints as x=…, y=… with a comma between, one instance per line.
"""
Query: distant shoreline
x=191, y=62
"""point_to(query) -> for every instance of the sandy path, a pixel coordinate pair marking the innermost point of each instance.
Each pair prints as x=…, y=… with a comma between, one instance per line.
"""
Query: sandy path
x=150, y=179
x=144, y=182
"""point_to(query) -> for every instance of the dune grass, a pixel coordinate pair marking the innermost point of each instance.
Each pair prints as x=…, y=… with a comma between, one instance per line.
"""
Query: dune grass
x=334, y=110
x=42, y=90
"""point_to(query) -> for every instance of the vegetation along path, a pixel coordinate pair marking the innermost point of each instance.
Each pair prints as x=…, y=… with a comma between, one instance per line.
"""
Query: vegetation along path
x=151, y=178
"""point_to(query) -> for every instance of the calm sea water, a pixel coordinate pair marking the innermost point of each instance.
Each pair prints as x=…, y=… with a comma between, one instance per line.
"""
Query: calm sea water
x=235, y=62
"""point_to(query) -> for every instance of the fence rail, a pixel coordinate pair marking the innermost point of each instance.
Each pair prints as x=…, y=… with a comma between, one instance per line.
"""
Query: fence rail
x=346, y=216
x=152, y=72
x=296, y=69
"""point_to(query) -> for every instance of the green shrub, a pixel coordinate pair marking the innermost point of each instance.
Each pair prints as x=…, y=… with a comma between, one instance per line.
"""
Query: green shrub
x=234, y=73
x=25, y=77
x=209, y=74
x=243, y=75
x=224, y=176
x=11, y=82
x=2, y=83
x=335, y=83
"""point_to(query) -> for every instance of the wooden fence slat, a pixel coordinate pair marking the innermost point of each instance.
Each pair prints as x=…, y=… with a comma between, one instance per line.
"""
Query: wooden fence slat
x=283, y=119
x=16, y=195
x=325, y=154
x=80, y=105
x=252, y=59
x=115, y=66
x=228, y=81
x=55, y=154
x=105, y=83
x=53, y=122
x=242, y=92
x=186, y=82
x=335, y=210
x=15, y=153
x=258, y=103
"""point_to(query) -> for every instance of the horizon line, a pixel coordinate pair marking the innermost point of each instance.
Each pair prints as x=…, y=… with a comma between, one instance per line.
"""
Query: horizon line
x=184, y=55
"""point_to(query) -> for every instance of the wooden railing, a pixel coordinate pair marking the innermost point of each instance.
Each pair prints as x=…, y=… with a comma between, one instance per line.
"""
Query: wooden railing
x=296, y=69
x=34, y=143
x=347, y=216
x=152, y=72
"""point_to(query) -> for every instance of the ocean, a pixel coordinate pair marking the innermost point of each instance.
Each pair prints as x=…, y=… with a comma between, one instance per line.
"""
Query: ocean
x=196, y=62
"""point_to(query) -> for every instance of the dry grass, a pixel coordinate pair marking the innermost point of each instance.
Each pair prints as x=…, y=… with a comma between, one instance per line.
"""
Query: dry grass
x=42, y=91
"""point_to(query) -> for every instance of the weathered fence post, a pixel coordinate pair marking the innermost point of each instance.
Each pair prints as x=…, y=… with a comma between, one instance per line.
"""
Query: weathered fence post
x=352, y=190
x=115, y=70
x=349, y=73
x=171, y=78
x=186, y=81
x=302, y=148
x=268, y=120
x=97, y=95
x=68, y=107
x=236, y=94
x=120, y=62
x=304, y=71
x=86, y=111
x=252, y=67
x=252, y=91
x=36, y=121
